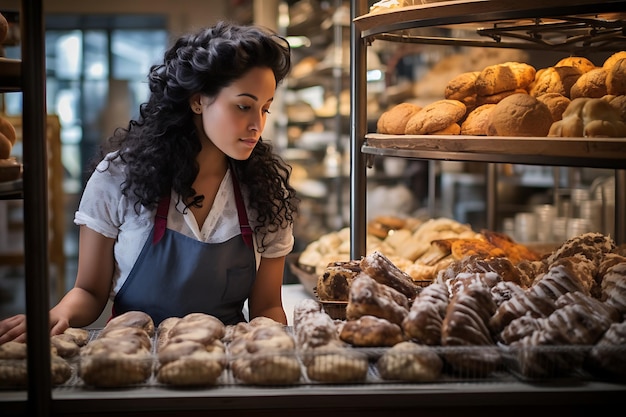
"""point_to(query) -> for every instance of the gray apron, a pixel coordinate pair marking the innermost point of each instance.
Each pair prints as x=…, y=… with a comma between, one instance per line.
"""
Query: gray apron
x=175, y=275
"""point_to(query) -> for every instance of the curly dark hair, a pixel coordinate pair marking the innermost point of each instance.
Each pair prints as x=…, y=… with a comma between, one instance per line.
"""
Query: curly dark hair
x=159, y=148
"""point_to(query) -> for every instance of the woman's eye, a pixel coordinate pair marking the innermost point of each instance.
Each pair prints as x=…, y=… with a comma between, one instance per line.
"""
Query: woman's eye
x=267, y=111
x=243, y=107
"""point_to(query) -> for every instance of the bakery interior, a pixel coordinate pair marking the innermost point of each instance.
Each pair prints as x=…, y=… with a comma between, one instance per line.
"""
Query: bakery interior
x=352, y=203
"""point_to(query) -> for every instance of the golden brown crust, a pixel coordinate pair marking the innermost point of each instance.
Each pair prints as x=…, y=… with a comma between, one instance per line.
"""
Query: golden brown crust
x=555, y=80
x=556, y=103
x=580, y=62
x=590, y=84
x=463, y=88
x=611, y=60
x=616, y=78
x=520, y=115
x=435, y=117
x=475, y=124
x=507, y=76
x=394, y=120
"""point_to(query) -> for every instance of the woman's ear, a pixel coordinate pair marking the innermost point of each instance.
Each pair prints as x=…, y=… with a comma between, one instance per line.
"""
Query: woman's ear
x=195, y=103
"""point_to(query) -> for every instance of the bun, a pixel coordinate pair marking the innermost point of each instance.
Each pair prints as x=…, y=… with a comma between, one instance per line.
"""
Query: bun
x=496, y=98
x=393, y=121
x=610, y=61
x=477, y=121
x=590, y=84
x=616, y=78
x=618, y=103
x=508, y=76
x=589, y=117
x=8, y=130
x=435, y=117
x=463, y=88
x=520, y=115
x=582, y=63
x=556, y=103
x=555, y=80
x=5, y=147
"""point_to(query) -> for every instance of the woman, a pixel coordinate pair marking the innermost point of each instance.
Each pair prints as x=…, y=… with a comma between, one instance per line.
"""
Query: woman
x=189, y=210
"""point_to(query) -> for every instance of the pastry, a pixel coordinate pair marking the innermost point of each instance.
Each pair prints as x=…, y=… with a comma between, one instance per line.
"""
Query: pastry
x=465, y=325
x=425, y=318
x=334, y=283
x=265, y=356
x=14, y=367
x=369, y=297
x=381, y=269
x=410, y=362
x=371, y=331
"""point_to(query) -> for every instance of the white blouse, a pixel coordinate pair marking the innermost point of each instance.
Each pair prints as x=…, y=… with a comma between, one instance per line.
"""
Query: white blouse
x=104, y=209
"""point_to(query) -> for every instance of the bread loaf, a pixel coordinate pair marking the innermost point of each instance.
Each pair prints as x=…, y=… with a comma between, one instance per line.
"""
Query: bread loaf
x=556, y=103
x=435, y=117
x=580, y=62
x=616, y=78
x=394, y=120
x=508, y=76
x=590, y=84
x=555, y=80
x=520, y=115
x=463, y=88
x=477, y=121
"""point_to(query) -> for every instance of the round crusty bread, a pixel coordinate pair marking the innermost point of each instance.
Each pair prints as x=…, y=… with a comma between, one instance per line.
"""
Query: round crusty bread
x=393, y=121
x=453, y=129
x=496, y=98
x=555, y=80
x=520, y=115
x=616, y=78
x=504, y=77
x=463, y=88
x=435, y=116
x=580, y=62
x=590, y=84
x=610, y=61
x=557, y=103
x=475, y=124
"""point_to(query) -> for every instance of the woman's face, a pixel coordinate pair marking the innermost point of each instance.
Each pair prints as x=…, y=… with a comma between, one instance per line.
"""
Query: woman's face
x=234, y=120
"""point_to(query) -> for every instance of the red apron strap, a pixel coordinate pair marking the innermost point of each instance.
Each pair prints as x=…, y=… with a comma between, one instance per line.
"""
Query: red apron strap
x=160, y=221
x=246, y=230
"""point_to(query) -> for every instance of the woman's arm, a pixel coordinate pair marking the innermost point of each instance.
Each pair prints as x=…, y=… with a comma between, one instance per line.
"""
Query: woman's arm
x=266, y=296
x=84, y=303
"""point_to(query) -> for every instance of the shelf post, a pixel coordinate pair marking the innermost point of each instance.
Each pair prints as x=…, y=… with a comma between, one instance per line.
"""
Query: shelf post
x=35, y=206
x=358, y=129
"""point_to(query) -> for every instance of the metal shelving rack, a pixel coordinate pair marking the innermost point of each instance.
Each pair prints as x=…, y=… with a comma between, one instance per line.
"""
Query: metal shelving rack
x=561, y=25
x=28, y=76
